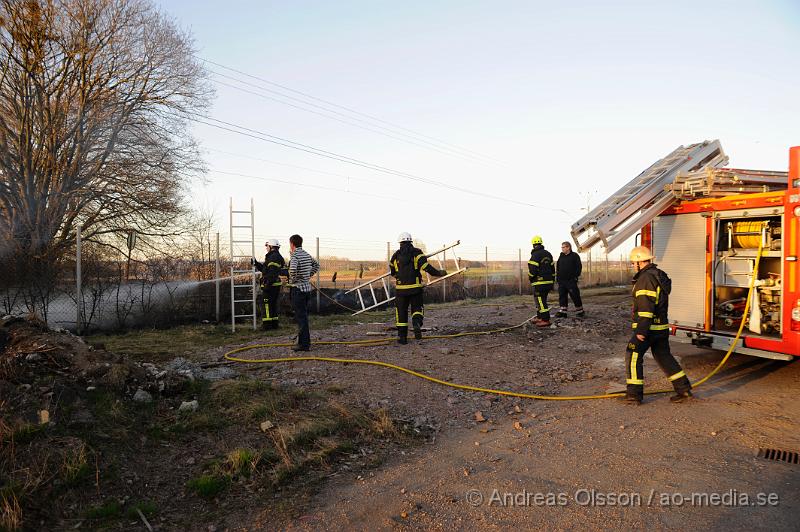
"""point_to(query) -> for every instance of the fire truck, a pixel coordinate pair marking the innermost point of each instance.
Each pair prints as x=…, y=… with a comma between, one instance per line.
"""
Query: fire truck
x=724, y=235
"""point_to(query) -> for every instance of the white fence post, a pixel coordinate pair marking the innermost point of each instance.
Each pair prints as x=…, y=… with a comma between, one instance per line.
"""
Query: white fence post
x=216, y=281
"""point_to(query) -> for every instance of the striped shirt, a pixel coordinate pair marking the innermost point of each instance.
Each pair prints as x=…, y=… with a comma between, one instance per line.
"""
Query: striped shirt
x=302, y=267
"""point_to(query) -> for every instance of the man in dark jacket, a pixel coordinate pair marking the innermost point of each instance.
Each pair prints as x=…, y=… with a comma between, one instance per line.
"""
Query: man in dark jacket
x=406, y=266
x=270, y=283
x=568, y=269
x=651, y=288
x=540, y=274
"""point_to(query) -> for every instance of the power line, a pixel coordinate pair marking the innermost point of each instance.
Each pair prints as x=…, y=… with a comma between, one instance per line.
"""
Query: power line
x=266, y=137
x=353, y=111
x=426, y=145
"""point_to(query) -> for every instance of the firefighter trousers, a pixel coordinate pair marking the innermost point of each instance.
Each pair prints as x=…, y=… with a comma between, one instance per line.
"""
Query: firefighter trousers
x=402, y=302
x=659, y=346
x=540, y=292
x=270, y=296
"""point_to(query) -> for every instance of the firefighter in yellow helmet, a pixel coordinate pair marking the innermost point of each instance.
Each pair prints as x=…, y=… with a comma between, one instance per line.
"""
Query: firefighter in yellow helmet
x=540, y=274
x=651, y=288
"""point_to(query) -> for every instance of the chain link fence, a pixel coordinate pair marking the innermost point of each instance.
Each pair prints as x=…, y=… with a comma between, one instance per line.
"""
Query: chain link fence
x=188, y=281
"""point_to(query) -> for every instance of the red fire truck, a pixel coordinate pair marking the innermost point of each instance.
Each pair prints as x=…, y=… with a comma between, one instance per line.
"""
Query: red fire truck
x=707, y=225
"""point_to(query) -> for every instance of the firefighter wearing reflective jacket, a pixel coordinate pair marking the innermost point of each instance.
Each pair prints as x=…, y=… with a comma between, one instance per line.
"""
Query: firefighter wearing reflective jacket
x=540, y=273
x=270, y=283
x=651, y=288
x=406, y=266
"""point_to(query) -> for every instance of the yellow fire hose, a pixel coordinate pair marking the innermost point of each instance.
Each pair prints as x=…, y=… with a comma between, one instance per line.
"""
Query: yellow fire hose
x=385, y=341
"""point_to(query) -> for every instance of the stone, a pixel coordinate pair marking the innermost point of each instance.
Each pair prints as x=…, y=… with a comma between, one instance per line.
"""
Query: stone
x=189, y=406
x=142, y=396
x=266, y=425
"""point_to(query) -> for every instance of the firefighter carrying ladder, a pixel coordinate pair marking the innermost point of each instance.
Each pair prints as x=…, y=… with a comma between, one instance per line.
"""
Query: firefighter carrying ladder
x=243, y=281
x=636, y=204
x=383, y=280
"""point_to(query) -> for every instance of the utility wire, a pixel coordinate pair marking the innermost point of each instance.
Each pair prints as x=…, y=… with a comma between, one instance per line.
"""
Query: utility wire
x=426, y=145
x=349, y=110
x=242, y=130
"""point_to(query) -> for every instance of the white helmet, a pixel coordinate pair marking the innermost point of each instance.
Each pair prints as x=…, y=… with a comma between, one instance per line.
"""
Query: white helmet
x=273, y=242
x=404, y=237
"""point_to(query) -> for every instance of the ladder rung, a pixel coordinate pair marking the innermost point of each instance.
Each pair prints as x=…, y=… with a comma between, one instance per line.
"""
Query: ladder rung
x=241, y=212
x=243, y=315
x=242, y=241
x=242, y=300
x=241, y=227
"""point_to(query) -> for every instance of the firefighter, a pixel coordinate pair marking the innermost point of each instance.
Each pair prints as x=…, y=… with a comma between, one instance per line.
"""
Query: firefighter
x=651, y=288
x=540, y=273
x=406, y=266
x=270, y=283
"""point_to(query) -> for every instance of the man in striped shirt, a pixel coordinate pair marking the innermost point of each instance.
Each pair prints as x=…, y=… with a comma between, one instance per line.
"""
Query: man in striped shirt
x=302, y=267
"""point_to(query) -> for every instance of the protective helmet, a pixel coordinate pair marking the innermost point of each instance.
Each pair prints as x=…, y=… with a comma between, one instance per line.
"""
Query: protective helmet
x=641, y=253
x=536, y=240
x=404, y=237
x=273, y=242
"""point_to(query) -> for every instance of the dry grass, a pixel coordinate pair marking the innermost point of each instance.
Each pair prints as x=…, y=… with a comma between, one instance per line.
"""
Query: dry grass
x=10, y=513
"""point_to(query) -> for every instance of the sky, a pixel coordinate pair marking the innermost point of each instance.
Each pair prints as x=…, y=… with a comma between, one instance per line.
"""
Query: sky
x=523, y=112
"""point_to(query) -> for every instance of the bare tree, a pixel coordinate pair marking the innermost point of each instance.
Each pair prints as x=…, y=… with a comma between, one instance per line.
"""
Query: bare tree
x=94, y=96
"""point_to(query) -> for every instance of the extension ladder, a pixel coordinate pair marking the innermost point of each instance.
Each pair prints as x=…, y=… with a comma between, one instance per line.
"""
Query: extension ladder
x=636, y=204
x=243, y=281
x=383, y=290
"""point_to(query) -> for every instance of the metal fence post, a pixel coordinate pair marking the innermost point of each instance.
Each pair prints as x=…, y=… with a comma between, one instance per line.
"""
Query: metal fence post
x=216, y=282
x=444, y=283
x=607, y=277
x=519, y=250
x=388, y=252
x=486, y=258
x=319, y=288
x=78, y=281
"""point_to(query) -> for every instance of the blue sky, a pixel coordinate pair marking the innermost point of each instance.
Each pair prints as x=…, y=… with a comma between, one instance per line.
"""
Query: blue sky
x=575, y=99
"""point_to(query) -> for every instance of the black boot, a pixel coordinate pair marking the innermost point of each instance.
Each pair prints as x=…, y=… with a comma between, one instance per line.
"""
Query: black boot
x=402, y=335
x=417, y=323
x=681, y=397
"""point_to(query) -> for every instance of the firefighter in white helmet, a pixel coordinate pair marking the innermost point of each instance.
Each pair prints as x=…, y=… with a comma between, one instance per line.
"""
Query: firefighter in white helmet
x=651, y=288
x=270, y=283
x=406, y=265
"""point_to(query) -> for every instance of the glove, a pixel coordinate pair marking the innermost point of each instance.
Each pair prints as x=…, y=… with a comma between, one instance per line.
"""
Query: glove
x=444, y=272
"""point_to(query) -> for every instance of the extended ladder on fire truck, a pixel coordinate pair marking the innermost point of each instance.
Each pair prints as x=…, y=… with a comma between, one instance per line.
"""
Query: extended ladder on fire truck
x=383, y=280
x=636, y=204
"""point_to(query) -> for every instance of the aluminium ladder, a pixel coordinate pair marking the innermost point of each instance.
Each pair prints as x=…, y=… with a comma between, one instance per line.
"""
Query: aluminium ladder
x=384, y=288
x=243, y=281
x=637, y=203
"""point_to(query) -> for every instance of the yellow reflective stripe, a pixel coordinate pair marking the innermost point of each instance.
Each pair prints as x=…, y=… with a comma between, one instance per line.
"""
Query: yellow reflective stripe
x=277, y=283
x=416, y=260
x=645, y=314
x=423, y=266
x=533, y=262
x=645, y=293
x=634, y=381
x=677, y=375
x=402, y=324
x=404, y=286
x=542, y=282
x=659, y=327
x=274, y=264
x=418, y=312
x=634, y=359
x=633, y=325
x=266, y=309
x=658, y=293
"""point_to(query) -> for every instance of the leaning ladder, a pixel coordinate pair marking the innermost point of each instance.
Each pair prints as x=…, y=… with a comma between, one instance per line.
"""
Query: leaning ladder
x=243, y=281
x=383, y=290
x=637, y=203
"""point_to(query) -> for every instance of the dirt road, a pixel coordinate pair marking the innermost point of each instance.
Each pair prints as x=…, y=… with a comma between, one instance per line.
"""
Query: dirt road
x=551, y=464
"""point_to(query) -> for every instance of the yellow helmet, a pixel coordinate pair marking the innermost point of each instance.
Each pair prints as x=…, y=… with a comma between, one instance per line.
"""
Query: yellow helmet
x=641, y=253
x=536, y=240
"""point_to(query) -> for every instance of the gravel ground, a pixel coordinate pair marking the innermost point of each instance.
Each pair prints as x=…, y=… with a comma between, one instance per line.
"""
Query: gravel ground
x=500, y=462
